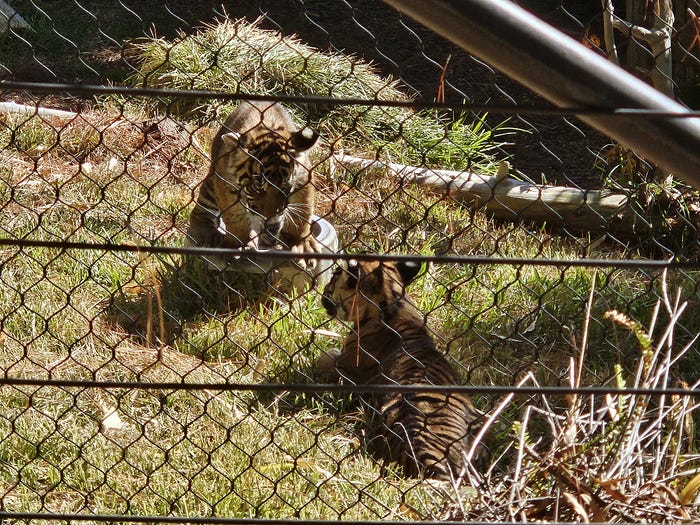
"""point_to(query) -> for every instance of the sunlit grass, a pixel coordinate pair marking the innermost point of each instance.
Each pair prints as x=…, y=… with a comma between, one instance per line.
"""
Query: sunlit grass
x=127, y=316
x=237, y=56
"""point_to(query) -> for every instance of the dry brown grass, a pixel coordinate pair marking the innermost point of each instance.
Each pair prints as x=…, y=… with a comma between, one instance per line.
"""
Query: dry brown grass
x=128, y=177
x=615, y=458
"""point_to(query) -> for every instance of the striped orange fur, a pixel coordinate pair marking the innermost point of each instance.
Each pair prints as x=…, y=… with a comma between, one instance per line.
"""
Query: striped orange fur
x=428, y=433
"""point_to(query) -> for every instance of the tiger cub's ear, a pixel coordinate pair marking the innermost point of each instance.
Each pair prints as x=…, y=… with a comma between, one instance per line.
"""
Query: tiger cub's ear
x=232, y=139
x=408, y=270
x=303, y=139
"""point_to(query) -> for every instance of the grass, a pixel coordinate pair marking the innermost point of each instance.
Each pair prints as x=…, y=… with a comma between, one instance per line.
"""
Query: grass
x=68, y=41
x=601, y=456
x=237, y=56
x=125, y=175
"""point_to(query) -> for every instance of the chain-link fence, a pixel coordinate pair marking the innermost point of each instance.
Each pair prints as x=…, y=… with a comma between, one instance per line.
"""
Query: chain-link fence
x=166, y=352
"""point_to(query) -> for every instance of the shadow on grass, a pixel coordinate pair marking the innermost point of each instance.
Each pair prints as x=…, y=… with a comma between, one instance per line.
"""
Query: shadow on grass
x=169, y=293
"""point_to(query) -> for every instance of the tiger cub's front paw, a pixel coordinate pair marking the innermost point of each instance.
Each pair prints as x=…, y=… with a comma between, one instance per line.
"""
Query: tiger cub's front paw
x=308, y=245
x=205, y=236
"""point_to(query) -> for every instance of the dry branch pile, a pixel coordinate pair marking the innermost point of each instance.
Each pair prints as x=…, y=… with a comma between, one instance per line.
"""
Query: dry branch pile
x=616, y=458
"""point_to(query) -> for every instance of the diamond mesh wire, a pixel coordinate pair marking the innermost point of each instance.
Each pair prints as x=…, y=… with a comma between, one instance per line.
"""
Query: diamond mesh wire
x=140, y=384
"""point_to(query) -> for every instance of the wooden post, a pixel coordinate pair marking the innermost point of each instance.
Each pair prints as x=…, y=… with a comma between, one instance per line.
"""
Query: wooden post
x=655, y=62
x=638, y=57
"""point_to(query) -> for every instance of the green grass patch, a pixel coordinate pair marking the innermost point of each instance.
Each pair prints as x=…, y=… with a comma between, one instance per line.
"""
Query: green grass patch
x=117, y=316
x=237, y=56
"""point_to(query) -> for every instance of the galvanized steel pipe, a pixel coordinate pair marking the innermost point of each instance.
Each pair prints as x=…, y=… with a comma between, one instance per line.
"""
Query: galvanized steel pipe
x=567, y=74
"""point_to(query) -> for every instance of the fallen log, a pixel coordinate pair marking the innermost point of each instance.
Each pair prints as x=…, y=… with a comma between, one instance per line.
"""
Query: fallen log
x=510, y=199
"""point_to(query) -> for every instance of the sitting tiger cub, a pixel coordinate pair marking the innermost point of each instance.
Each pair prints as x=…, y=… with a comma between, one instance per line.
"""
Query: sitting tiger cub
x=427, y=433
x=260, y=183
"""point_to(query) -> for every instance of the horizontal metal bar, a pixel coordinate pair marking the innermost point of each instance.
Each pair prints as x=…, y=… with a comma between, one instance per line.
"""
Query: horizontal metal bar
x=669, y=264
x=348, y=388
x=88, y=90
x=202, y=520
x=566, y=73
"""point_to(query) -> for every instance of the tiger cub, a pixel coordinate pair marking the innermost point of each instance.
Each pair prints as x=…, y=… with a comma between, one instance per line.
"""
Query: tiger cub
x=260, y=183
x=427, y=433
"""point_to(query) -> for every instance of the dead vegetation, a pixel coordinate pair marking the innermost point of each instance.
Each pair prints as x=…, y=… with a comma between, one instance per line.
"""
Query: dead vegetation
x=613, y=458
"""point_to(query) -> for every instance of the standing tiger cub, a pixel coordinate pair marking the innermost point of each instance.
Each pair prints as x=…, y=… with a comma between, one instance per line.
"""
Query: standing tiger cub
x=260, y=183
x=427, y=433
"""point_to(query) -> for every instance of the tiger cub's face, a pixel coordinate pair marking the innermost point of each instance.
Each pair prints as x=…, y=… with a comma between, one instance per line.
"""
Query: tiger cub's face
x=363, y=289
x=268, y=174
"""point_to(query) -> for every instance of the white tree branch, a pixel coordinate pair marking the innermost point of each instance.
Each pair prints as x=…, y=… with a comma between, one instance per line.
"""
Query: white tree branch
x=9, y=18
x=504, y=197
x=608, y=31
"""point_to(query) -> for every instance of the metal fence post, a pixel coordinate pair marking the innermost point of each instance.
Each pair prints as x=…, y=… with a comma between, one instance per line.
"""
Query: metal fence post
x=568, y=74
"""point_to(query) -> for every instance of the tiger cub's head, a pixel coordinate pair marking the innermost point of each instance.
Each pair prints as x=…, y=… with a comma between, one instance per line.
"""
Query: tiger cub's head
x=364, y=290
x=267, y=164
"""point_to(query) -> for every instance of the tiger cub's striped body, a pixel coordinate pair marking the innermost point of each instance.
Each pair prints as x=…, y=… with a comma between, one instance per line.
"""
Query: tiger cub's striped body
x=428, y=433
x=260, y=183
